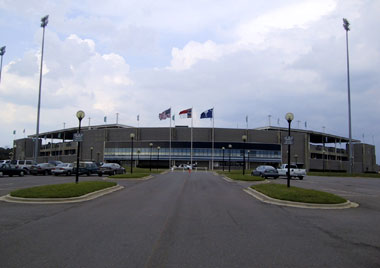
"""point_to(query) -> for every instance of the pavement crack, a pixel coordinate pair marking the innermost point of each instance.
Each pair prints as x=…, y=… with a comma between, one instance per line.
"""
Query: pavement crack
x=344, y=240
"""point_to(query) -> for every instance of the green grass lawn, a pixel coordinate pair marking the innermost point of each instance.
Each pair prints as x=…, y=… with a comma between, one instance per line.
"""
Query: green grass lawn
x=238, y=175
x=280, y=191
x=129, y=176
x=144, y=170
x=342, y=174
x=62, y=190
x=137, y=173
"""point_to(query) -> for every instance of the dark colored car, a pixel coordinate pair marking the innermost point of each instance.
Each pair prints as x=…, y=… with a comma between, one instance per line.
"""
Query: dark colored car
x=265, y=172
x=7, y=169
x=111, y=169
x=87, y=168
x=43, y=169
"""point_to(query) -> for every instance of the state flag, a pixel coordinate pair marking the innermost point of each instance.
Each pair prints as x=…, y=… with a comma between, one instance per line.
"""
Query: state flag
x=186, y=113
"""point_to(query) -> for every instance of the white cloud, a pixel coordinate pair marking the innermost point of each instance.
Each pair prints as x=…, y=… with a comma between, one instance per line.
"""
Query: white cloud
x=249, y=57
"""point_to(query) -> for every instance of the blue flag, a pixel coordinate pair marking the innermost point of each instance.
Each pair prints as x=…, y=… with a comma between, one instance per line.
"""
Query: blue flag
x=208, y=114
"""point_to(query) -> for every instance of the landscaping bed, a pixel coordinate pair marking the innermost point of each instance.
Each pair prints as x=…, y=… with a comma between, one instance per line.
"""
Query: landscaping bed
x=296, y=194
x=237, y=175
x=65, y=190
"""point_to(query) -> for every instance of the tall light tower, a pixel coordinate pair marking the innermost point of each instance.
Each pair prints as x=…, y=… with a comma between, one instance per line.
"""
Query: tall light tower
x=44, y=22
x=2, y=52
x=346, y=26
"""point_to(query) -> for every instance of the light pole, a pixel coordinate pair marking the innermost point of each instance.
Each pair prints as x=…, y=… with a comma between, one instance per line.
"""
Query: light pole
x=14, y=151
x=150, y=159
x=44, y=22
x=223, y=156
x=249, y=166
x=91, y=149
x=244, y=138
x=289, y=117
x=138, y=157
x=80, y=116
x=229, y=159
x=158, y=155
x=132, y=136
x=346, y=26
x=2, y=52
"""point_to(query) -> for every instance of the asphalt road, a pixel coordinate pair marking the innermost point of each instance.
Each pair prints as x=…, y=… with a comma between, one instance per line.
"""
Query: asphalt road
x=190, y=220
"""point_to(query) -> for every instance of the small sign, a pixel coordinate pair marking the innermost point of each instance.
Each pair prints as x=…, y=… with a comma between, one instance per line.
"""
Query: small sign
x=289, y=140
x=78, y=137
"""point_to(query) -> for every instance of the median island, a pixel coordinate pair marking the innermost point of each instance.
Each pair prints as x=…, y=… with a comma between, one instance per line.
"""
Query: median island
x=138, y=173
x=65, y=190
x=238, y=175
x=296, y=194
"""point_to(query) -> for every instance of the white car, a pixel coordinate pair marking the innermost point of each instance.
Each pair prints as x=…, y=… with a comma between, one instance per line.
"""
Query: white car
x=24, y=164
x=63, y=169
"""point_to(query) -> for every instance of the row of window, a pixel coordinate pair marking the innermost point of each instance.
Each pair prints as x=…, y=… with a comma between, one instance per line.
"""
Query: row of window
x=205, y=152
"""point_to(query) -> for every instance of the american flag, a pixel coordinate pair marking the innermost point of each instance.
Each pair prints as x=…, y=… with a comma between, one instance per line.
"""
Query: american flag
x=165, y=114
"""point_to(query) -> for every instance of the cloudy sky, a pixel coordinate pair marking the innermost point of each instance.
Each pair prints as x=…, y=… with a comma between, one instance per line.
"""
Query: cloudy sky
x=242, y=57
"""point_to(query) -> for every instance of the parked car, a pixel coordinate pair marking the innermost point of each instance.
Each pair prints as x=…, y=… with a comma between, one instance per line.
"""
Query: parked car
x=63, y=169
x=7, y=169
x=110, y=169
x=5, y=161
x=43, y=169
x=24, y=164
x=55, y=162
x=265, y=172
x=87, y=168
x=186, y=166
x=294, y=171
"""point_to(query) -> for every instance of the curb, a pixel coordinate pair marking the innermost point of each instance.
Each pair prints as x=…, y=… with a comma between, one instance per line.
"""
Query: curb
x=86, y=197
x=130, y=179
x=231, y=180
x=266, y=199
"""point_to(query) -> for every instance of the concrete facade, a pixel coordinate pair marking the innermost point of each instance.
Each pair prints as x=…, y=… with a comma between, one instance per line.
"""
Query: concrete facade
x=311, y=150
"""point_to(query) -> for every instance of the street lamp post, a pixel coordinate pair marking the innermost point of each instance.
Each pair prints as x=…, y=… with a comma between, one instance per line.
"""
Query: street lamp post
x=80, y=116
x=2, y=52
x=91, y=149
x=132, y=136
x=158, y=155
x=138, y=157
x=289, y=117
x=244, y=138
x=44, y=22
x=14, y=151
x=229, y=159
x=248, y=165
x=346, y=26
x=150, y=159
x=223, y=156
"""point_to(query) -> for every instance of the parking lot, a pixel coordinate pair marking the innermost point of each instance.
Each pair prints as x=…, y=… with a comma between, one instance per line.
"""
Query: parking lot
x=190, y=220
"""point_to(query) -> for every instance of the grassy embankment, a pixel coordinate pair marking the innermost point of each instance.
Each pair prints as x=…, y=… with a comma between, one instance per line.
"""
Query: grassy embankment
x=62, y=190
x=296, y=194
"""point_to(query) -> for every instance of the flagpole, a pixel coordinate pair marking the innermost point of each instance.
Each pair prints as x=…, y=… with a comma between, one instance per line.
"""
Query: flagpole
x=191, y=150
x=213, y=139
x=170, y=139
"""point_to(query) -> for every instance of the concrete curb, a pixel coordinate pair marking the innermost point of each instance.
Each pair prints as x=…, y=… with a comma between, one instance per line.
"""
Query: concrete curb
x=130, y=179
x=231, y=180
x=266, y=199
x=86, y=197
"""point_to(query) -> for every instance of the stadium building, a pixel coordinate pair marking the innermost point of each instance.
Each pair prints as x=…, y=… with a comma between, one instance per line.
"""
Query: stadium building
x=206, y=147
